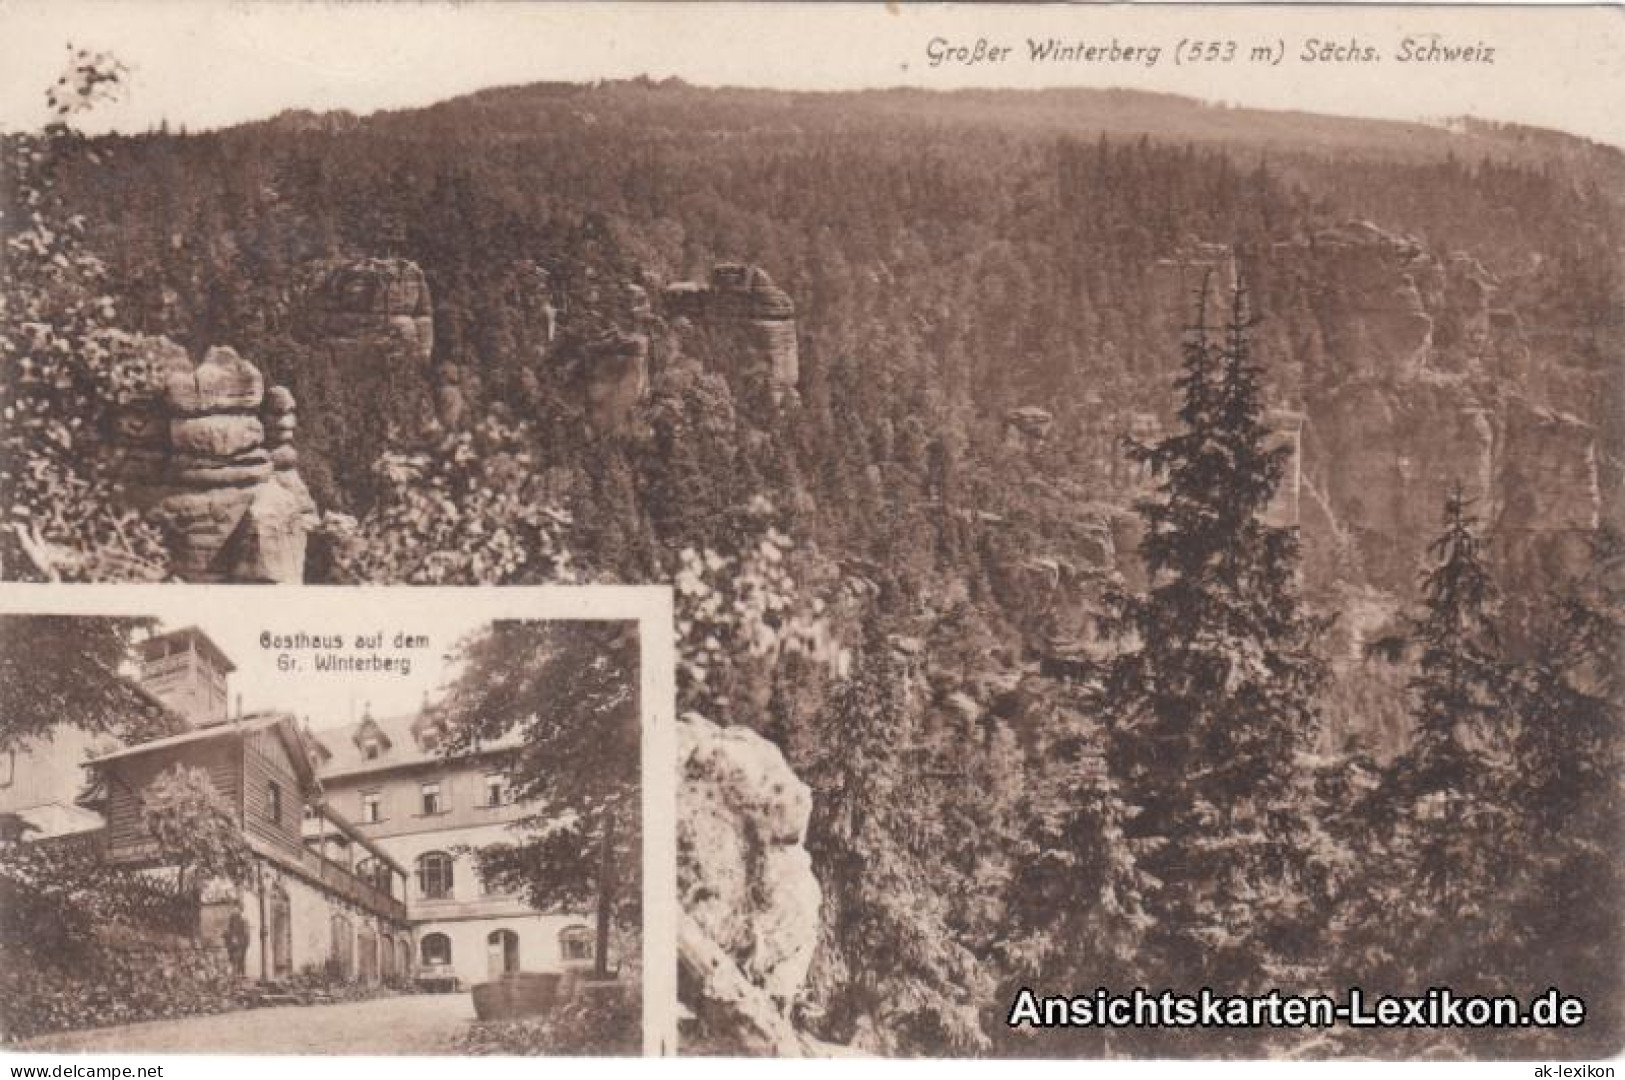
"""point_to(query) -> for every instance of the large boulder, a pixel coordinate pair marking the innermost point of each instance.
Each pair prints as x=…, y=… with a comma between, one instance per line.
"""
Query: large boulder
x=745, y=881
x=1027, y=427
x=269, y=542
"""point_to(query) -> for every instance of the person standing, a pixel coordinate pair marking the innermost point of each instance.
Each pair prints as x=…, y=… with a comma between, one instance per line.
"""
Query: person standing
x=236, y=938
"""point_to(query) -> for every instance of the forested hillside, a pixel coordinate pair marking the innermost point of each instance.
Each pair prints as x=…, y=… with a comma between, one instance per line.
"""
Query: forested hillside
x=909, y=570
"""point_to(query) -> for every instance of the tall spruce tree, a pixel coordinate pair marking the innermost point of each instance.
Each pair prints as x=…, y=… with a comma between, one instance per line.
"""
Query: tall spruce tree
x=893, y=976
x=1075, y=913
x=1569, y=794
x=1432, y=908
x=1212, y=698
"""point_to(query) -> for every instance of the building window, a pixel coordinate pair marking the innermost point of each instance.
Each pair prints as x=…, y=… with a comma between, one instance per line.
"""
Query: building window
x=575, y=944
x=431, y=799
x=496, y=790
x=274, y=799
x=436, y=950
x=502, y=950
x=434, y=875
x=8, y=768
x=490, y=887
x=310, y=812
x=371, y=807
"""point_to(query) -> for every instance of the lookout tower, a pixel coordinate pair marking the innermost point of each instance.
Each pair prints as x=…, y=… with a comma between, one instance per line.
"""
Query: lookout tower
x=186, y=670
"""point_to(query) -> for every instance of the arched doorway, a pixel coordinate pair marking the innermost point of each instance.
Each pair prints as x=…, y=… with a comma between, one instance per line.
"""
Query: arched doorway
x=367, y=955
x=341, y=956
x=281, y=934
x=502, y=953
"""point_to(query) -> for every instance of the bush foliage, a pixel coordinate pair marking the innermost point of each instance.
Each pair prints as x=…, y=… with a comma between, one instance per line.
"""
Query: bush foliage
x=604, y=1022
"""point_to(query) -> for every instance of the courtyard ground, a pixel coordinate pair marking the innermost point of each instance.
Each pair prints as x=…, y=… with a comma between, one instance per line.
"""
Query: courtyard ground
x=409, y=1024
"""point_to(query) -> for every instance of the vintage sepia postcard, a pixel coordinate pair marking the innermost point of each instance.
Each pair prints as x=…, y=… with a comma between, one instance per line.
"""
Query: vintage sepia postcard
x=1126, y=500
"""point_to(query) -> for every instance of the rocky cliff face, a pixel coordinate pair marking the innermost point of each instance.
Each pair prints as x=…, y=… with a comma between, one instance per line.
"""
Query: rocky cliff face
x=747, y=895
x=370, y=312
x=1413, y=373
x=208, y=451
x=1425, y=382
x=1550, y=495
x=614, y=380
x=369, y=324
x=1384, y=455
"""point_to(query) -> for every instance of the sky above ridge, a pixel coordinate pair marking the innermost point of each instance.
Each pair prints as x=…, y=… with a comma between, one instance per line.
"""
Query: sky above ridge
x=202, y=65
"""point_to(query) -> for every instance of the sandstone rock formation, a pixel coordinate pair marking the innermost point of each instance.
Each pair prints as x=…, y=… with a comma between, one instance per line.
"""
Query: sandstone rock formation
x=208, y=451
x=750, y=326
x=1026, y=427
x=1373, y=296
x=369, y=325
x=1387, y=457
x=746, y=889
x=371, y=310
x=450, y=397
x=615, y=380
x=1424, y=384
x=1286, y=432
x=1549, y=503
x=1411, y=375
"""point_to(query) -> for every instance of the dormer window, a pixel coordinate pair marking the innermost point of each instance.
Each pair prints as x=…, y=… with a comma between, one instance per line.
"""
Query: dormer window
x=496, y=790
x=370, y=738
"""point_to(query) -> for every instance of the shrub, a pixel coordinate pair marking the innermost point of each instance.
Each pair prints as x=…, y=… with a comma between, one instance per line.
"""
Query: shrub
x=111, y=986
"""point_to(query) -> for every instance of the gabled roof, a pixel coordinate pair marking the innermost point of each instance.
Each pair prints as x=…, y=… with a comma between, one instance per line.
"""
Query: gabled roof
x=398, y=746
x=369, y=728
x=280, y=723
